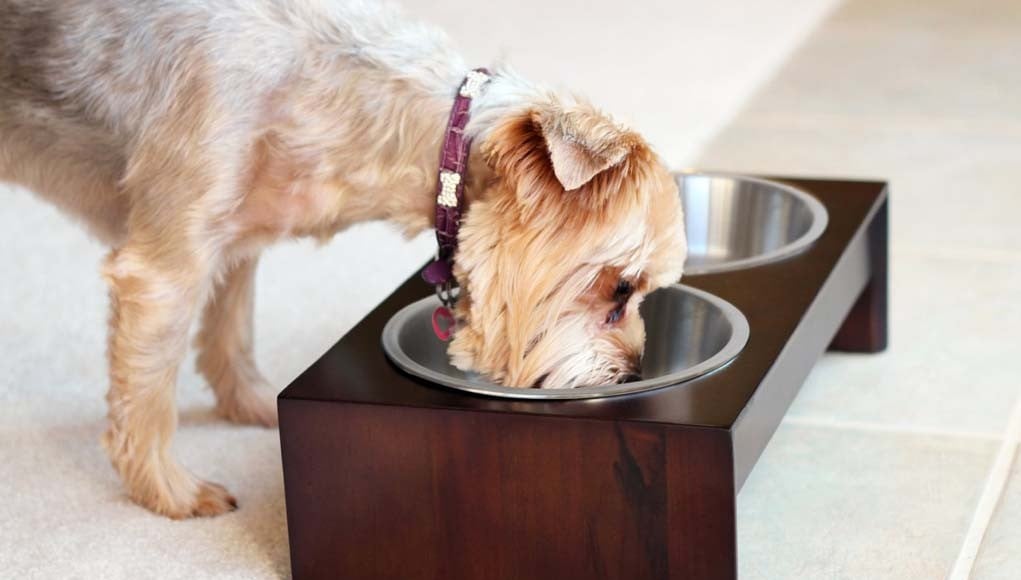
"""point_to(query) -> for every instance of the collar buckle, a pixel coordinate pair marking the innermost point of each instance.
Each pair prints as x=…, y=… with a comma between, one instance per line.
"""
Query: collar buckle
x=447, y=293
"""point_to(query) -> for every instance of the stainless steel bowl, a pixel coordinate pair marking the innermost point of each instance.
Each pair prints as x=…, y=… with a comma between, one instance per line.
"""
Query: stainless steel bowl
x=689, y=333
x=737, y=222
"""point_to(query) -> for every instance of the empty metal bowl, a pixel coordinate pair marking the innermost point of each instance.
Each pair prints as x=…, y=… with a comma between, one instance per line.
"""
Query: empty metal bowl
x=689, y=333
x=737, y=222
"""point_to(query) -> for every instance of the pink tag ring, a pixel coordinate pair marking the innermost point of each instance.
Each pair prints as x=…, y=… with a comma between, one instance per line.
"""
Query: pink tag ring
x=442, y=315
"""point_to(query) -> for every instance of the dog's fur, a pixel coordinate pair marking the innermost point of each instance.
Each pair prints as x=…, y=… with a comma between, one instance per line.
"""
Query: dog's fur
x=189, y=134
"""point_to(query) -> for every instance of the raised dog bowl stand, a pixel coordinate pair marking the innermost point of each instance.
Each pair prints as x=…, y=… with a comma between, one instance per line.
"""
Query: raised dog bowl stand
x=389, y=477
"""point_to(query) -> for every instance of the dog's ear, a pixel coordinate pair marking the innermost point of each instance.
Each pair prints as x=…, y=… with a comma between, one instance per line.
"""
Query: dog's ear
x=582, y=143
x=551, y=149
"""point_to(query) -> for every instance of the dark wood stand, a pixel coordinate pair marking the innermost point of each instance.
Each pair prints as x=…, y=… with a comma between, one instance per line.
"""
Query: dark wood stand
x=387, y=477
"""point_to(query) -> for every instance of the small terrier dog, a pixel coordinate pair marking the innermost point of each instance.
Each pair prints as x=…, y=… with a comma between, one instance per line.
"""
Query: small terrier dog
x=189, y=134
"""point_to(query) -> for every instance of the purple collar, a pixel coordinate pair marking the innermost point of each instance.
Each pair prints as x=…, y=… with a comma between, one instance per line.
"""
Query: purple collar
x=450, y=185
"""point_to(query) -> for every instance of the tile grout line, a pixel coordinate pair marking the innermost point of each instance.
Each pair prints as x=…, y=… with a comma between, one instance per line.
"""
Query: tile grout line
x=969, y=127
x=996, y=483
x=972, y=253
x=879, y=428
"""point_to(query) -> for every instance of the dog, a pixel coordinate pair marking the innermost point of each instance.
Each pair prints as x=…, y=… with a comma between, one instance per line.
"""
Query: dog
x=190, y=134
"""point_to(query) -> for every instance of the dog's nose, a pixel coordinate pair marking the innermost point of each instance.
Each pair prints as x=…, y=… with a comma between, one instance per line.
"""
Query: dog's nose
x=632, y=378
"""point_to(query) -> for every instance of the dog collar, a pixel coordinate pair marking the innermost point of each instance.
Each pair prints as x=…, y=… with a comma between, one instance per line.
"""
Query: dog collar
x=450, y=193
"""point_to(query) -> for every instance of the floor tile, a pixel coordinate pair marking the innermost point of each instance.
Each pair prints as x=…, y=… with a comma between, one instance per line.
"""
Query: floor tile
x=849, y=505
x=999, y=558
x=920, y=94
x=883, y=60
x=952, y=362
x=950, y=193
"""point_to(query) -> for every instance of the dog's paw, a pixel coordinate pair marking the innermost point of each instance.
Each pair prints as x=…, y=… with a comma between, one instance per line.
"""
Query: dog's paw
x=252, y=407
x=207, y=500
x=179, y=495
x=242, y=395
x=212, y=500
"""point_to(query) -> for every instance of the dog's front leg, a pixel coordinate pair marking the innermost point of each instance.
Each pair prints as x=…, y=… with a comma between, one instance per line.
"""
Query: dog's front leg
x=225, y=350
x=155, y=288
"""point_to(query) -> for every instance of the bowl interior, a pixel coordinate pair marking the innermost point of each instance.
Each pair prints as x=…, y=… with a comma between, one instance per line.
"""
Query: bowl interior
x=689, y=333
x=738, y=222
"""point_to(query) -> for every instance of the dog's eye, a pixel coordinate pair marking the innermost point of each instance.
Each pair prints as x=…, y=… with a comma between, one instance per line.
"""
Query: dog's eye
x=621, y=295
x=623, y=291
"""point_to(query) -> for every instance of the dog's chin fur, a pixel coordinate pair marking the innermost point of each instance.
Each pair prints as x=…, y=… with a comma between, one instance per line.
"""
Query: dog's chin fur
x=190, y=135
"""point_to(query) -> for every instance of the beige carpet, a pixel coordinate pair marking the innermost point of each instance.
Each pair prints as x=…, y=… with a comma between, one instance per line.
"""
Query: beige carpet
x=677, y=70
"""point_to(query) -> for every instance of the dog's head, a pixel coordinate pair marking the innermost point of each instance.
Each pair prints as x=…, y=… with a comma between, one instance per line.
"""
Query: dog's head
x=574, y=221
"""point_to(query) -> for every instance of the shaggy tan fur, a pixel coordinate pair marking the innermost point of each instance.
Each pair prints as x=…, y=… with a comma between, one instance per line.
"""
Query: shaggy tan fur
x=190, y=134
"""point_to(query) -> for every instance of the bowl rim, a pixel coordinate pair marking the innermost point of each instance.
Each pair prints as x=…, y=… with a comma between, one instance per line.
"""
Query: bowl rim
x=735, y=344
x=820, y=220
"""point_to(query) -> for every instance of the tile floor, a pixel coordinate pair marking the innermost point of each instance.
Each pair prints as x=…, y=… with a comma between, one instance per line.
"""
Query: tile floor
x=899, y=465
